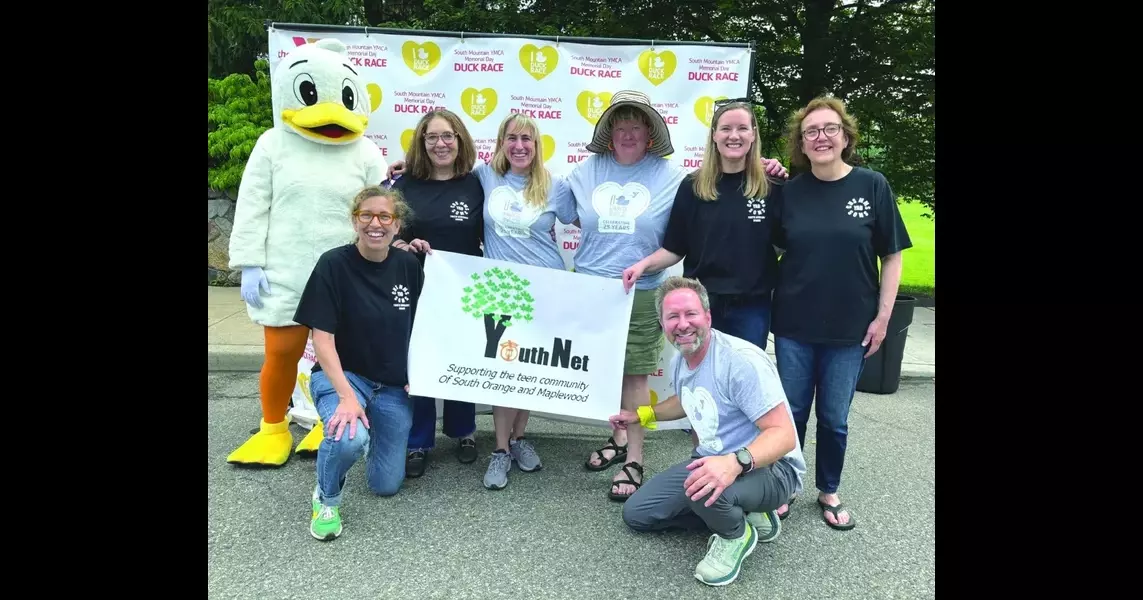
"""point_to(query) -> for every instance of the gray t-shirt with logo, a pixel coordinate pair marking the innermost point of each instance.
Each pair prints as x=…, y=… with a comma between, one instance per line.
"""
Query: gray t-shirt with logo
x=623, y=212
x=734, y=385
x=516, y=231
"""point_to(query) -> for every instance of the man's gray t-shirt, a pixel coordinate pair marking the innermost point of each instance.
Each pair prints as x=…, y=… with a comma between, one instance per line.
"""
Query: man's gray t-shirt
x=734, y=385
x=516, y=231
x=623, y=213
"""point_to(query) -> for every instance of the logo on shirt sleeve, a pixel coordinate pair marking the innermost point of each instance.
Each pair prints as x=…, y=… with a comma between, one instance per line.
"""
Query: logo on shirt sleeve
x=857, y=208
x=459, y=211
x=756, y=209
x=400, y=297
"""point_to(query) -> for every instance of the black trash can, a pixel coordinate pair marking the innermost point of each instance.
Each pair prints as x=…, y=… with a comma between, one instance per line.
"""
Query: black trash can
x=882, y=373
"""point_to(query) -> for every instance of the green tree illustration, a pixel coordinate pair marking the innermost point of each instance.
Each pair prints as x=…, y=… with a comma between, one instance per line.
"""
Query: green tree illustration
x=499, y=298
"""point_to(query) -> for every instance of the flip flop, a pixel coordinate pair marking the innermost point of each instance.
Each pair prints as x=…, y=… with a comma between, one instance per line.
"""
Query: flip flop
x=789, y=508
x=836, y=509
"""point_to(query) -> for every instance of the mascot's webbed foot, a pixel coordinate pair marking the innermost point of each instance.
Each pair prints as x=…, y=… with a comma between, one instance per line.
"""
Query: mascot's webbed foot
x=270, y=447
x=309, y=445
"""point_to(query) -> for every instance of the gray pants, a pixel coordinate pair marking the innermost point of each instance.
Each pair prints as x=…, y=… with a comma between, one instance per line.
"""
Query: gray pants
x=662, y=502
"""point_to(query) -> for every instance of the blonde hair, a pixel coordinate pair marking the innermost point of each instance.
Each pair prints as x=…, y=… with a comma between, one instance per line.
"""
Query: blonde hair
x=421, y=166
x=798, y=156
x=401, y=208
x=678, y=282
x=539, y=182
x=706, y=177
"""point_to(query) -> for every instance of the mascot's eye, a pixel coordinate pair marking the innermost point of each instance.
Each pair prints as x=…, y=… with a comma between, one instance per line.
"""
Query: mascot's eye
x=305, y=89
x=348, y=95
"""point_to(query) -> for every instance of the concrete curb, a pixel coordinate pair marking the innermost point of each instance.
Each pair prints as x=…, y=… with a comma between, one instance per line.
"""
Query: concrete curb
x=248, y=359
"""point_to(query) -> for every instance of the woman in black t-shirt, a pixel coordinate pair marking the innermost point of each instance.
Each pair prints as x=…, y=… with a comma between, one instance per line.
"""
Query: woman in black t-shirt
x=449, y=202
x=721, y=222
x=831, y=308
x=359, y=302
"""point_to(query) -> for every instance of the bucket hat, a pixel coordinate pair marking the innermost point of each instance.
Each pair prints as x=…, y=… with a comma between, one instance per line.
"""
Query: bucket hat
x=660, y=135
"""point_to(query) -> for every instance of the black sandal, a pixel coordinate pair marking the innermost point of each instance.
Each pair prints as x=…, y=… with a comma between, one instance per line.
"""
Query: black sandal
x=836, y=509
x=630, y=480
x=789, y=508
x=620, y=456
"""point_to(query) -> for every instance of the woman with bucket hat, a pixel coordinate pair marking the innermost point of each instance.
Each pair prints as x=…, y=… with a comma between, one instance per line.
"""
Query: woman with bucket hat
x=624, y=193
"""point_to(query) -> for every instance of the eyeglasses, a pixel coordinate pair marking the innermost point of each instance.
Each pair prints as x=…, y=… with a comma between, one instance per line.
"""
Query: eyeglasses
x=830, y=130
x=432, y=138
x=366, y=218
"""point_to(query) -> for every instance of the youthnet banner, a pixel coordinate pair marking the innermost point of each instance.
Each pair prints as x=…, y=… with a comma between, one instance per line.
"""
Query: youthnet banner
x=564, y=86
x=506, y=334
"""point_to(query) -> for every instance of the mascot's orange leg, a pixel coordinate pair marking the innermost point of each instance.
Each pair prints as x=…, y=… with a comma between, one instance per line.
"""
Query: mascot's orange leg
x=270, y=446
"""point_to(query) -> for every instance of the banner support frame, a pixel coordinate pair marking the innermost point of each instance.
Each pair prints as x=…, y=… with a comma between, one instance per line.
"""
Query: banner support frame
x=269, y=24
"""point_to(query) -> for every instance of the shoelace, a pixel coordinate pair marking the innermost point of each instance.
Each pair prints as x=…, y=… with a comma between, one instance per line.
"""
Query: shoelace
x=525, y=449
x=723, y=549
x=326, y=513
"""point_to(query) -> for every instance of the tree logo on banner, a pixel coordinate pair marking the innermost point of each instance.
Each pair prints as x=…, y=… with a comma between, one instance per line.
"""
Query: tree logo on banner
x=591, y=105
x=539, y=62
x=498, y=296
x=657, y=67
x=421, y=58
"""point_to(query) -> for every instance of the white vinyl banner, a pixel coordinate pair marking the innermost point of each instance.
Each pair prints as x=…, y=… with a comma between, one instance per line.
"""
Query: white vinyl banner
x=507, y=334
x=564, y=86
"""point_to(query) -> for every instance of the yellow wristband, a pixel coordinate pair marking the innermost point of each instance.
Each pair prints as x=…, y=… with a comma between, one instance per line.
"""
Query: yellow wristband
x=647, y=416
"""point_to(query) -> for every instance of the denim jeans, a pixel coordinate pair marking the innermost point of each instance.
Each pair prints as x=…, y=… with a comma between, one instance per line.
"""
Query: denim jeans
x=390, y=415
x=459, y=421
x=830, y=372
x=745, y=317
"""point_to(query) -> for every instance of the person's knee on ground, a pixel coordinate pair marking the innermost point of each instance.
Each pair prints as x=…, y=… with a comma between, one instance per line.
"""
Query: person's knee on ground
x=636, y=515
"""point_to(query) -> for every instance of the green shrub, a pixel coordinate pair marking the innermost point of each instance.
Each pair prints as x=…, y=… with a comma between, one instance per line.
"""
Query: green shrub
x=238, y=110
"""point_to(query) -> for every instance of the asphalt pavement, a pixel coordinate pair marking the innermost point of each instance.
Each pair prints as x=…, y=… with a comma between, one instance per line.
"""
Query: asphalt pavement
x=554, y=533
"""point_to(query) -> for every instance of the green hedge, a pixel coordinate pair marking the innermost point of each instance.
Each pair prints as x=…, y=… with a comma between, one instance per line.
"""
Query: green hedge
x=239, y=110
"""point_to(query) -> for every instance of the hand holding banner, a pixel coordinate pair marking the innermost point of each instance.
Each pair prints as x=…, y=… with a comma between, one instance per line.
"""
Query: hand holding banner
x=514, y=335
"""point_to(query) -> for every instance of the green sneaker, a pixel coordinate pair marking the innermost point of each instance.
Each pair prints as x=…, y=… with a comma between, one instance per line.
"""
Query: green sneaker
x=325, y=524
x=768, y=525
x=724, y=557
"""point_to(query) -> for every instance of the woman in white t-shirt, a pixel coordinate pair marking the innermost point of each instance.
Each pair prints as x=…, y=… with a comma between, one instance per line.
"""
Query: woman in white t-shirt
x=522, y=201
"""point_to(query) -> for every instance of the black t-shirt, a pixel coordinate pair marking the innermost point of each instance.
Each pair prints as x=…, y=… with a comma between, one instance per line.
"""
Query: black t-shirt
x=726, y=243
x=448, y=214
x=833, y=233
x=368, y=307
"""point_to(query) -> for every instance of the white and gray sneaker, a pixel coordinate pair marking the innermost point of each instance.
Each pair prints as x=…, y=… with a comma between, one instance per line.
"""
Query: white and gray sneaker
x=524, y=453
x=496, y=477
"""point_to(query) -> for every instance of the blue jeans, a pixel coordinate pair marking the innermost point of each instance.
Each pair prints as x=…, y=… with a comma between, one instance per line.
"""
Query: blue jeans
x=390, y=415
x=832, y=372
x=746, y=317
x=459, y=421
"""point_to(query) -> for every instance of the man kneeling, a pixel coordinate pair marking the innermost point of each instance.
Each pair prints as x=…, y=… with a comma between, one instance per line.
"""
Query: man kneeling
x=747, y=463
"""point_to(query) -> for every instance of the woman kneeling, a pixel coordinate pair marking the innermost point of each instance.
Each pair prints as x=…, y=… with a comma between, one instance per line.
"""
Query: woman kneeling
x=359, y=302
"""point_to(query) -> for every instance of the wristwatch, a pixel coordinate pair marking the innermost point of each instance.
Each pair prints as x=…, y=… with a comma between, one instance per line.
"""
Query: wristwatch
x=745, y=460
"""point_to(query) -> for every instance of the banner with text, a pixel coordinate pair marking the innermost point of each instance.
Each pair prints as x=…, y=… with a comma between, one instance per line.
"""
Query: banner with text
x=564, y=86
x=506, y=334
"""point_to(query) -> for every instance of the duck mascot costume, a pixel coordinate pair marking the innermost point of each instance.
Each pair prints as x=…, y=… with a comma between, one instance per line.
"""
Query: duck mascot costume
x=294, y=205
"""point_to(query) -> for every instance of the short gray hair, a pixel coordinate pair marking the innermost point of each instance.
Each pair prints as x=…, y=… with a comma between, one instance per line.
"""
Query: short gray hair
x=676, y=282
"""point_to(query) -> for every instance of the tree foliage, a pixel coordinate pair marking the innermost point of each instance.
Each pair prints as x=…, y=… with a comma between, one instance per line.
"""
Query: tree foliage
x=877, y=55
x=238, y=111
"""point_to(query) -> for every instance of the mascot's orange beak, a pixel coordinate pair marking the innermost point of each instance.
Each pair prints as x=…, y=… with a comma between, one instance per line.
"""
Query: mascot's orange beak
x=326, y=122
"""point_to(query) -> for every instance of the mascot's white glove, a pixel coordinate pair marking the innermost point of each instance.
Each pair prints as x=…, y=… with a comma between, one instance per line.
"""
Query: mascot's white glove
x=254, y=278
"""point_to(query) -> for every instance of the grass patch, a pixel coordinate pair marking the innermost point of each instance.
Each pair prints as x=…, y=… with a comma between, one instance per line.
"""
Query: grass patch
x=918, y=273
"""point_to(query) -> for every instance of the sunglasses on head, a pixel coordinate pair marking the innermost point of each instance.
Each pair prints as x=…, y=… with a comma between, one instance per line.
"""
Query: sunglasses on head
x=721, y=103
